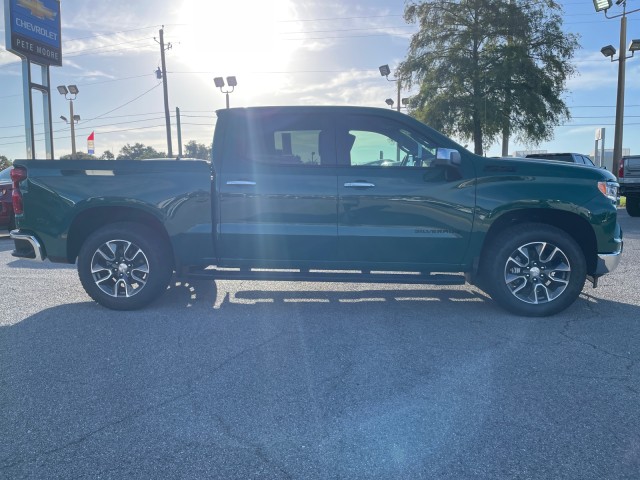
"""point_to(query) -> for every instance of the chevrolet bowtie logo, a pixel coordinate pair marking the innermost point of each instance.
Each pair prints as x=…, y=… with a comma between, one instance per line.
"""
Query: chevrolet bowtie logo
x=37, y=9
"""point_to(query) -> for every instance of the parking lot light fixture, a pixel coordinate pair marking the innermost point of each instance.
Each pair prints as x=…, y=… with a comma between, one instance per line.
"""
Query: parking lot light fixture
x=70, y=93
x=608, y=51
x=232, y=82
x=602, y=5
x=634, y=46
x=389, y=102
x=385, y=71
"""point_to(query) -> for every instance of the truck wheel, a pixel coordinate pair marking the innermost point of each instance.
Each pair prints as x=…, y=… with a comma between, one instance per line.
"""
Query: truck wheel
x=633, y=206
x=534, y=270
x=124, y=266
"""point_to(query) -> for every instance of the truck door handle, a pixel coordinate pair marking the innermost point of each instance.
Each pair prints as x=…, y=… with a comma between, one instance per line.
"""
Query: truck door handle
x=359, y=185
x=240, y=182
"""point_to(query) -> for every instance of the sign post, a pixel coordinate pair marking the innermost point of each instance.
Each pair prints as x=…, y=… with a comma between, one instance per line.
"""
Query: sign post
x=600, y=137
x=33, y=32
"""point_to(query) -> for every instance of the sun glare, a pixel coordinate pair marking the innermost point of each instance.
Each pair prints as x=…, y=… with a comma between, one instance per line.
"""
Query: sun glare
x=230, y=38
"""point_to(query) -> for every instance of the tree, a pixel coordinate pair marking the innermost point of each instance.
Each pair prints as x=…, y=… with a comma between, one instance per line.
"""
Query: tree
x=532, y=76
x=5, y=162
x=197, y=150
x=138, y=151
x=78, y=156
x=106, y=155
x=488, y=66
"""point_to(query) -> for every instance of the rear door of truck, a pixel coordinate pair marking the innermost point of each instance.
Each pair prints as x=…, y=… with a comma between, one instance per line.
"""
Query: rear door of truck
x=277, y=189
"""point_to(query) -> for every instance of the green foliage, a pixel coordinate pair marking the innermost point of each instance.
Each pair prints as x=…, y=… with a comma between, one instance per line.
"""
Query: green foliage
x=138, y=151
x=107, y=155
x=5, y=162
x=486, y=66
x=197, y=150
x=78, y=156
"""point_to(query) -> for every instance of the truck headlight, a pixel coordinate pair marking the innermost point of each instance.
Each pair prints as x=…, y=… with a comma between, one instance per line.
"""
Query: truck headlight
x=609, y=190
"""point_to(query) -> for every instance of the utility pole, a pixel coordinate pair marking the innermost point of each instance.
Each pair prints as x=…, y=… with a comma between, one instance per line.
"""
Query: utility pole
x=73, y=129
x=617, y=134
x=179, y=132
x=167, y=115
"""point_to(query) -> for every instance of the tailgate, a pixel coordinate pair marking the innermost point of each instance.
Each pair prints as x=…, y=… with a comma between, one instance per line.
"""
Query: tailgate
x=632, y=167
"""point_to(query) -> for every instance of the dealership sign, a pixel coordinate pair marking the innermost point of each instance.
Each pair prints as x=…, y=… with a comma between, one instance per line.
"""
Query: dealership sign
x=33, y=30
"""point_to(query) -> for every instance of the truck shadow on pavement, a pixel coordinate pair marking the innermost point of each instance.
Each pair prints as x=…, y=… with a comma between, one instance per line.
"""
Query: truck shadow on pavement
x=221, y=294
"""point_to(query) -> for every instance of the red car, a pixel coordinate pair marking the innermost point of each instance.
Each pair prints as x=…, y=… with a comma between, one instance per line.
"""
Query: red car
x=7, y=220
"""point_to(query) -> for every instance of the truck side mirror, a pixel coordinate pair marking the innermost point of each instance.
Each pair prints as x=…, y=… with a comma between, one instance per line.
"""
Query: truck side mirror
x=450, y=156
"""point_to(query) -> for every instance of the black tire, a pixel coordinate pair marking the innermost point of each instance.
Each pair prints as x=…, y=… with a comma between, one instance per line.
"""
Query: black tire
x=633, y=206
x=125, y=266
x=533, y=269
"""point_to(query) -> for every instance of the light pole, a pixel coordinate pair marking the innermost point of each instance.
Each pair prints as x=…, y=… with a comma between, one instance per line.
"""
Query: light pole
x=385, y=71
x=73, y=119
x=231, y=82
x=610, y=51
x=404, y=101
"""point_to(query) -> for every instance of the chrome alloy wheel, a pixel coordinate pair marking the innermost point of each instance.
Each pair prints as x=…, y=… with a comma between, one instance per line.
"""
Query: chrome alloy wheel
x=537, y=272
x=120, y=268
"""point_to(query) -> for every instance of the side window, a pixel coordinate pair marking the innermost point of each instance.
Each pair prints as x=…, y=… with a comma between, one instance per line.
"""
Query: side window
x=372, y=148
x=587, y=161
x=378, y=142
x=294, y=147
x=283, y=138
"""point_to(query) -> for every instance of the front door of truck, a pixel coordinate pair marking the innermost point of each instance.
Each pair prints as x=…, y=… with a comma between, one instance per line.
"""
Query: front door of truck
x=277, y=190
x=398, y=206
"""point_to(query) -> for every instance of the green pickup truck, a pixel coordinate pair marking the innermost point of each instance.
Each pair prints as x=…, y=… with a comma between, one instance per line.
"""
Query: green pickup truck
x=344, y=194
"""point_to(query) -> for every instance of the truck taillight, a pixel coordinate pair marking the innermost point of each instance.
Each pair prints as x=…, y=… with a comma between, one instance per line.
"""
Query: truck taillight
x=621, y=169
x=17, y=175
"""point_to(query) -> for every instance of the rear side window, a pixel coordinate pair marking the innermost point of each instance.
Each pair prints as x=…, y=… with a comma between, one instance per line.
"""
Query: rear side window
x=561, y=158
x=551, y=156
x=268, y=138
x=291, y=147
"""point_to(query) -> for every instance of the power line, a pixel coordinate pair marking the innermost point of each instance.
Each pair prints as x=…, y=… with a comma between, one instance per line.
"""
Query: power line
x=111, y=33
x=127, y=103
x=87, y=129
x=69, y=53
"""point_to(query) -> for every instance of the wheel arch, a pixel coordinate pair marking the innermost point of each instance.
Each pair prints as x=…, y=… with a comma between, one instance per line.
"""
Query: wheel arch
x=88, y=221
x=571, y=223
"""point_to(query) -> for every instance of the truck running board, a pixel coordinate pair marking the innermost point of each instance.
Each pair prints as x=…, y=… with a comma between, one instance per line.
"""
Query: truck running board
x=347, y=276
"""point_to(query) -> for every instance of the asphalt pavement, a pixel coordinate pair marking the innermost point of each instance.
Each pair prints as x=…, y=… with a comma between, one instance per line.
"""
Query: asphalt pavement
x=277, y=380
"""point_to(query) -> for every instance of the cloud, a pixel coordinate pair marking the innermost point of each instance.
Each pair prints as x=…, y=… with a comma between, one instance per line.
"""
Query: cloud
x=594, y=72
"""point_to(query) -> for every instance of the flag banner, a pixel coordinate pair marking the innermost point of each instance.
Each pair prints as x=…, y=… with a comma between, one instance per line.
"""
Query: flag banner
x=90, y=144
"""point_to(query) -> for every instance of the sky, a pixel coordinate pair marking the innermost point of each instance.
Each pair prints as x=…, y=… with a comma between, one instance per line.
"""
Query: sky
x=282, y=52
